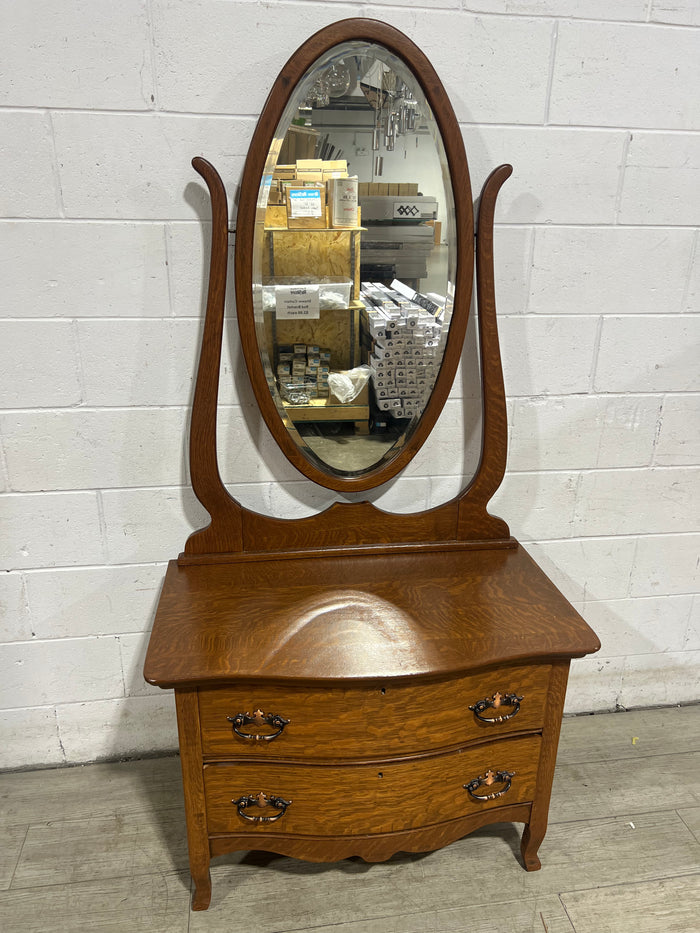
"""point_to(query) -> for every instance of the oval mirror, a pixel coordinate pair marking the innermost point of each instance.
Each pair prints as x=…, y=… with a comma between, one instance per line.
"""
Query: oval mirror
x=354, y=254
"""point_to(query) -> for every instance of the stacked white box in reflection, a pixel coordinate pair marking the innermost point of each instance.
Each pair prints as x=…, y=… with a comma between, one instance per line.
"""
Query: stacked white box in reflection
x=407, y=343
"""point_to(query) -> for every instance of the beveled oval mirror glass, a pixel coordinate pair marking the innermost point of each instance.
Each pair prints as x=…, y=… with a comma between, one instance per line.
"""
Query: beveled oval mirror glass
x=354, y=262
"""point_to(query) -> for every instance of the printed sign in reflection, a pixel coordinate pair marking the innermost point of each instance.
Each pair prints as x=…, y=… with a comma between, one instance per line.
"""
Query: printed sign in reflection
x=297, y=301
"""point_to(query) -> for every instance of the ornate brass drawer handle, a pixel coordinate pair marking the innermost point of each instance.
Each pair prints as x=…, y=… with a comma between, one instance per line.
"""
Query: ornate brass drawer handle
x=495, y=702
x=490, y=778
x=258, y=718
x=261, y=800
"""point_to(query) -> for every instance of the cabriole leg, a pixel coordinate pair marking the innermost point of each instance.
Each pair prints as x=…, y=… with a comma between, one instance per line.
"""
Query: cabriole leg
x=529, y=845
x=536, y=828
x=202, y=888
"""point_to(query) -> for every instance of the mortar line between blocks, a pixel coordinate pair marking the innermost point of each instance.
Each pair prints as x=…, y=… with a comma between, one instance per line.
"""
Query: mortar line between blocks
x=118, y=638
x=157, y=564
x=633, y=564
x=621, y=179
x=596, y=352
x=75, y=335
x=581, y=128
x=530, y=269
x=168, y=269
x=55, y=167
x=253, y=117
x=104, y=539
x=519, y=315
x=58, y=735
x=229, y=406
x=4, y=469
x=553, y=42
x=694, y=254
x=148, y=113
x=510, y=14
x=175, y=221
x=688, y=634
x=152, y=55
x=106, y=221
x=174, y=487
x=657, y=431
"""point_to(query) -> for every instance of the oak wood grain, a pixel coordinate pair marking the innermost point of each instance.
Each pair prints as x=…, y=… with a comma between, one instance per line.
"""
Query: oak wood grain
x=348, y=550
x=234, y=529
x=349, y=524
x=537, y=826
x=360, y=722
x=193, y=785
x=474, y=519
x=374, y=847
x=372, y=633
x=224, y=532
x=358, y=618
x=359, y=799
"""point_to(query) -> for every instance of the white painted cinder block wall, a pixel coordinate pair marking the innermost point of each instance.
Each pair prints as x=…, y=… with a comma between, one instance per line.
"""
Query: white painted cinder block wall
x=103, y=105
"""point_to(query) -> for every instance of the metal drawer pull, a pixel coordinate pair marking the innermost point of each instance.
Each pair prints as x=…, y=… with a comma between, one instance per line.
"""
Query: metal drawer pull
x=261, y=800
x=496, y=701
x=491, y=777
x=258, y=718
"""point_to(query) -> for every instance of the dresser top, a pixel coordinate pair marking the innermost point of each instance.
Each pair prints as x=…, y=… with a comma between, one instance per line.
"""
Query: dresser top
x=360, y=617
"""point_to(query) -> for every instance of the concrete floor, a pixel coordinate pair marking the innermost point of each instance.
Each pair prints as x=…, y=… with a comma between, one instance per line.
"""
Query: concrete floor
x=345, y=450
x=102, y=847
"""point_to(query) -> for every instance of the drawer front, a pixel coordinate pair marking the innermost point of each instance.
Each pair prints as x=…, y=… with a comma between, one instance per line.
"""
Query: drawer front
x=362, y=798
x=378, y=721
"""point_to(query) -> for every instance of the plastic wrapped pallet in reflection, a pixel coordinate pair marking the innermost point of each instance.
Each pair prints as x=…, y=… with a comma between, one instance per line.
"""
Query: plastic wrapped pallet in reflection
x=404, y=333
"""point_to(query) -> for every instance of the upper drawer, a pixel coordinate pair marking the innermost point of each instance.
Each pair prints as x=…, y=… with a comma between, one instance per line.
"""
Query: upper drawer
x=360, y=722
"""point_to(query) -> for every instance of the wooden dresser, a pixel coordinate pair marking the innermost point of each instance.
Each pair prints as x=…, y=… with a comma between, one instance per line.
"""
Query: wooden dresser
x=358, y=682
x=364, y=705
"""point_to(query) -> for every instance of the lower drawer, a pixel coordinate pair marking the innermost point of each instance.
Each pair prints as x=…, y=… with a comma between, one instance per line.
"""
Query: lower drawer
x=367, y=798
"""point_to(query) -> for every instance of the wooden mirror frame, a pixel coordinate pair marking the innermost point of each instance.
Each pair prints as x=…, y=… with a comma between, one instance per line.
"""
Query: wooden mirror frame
x=286, y=85
x=236, y=533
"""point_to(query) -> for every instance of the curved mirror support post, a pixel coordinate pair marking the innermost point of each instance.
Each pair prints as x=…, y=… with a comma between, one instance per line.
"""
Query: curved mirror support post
x=474, y=520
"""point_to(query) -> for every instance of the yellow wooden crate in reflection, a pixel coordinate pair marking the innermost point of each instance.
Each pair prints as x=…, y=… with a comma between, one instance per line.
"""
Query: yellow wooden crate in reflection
x=314, y=253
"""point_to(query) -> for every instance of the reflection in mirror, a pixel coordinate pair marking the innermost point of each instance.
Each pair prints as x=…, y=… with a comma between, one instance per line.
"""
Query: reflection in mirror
x=354, y=259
